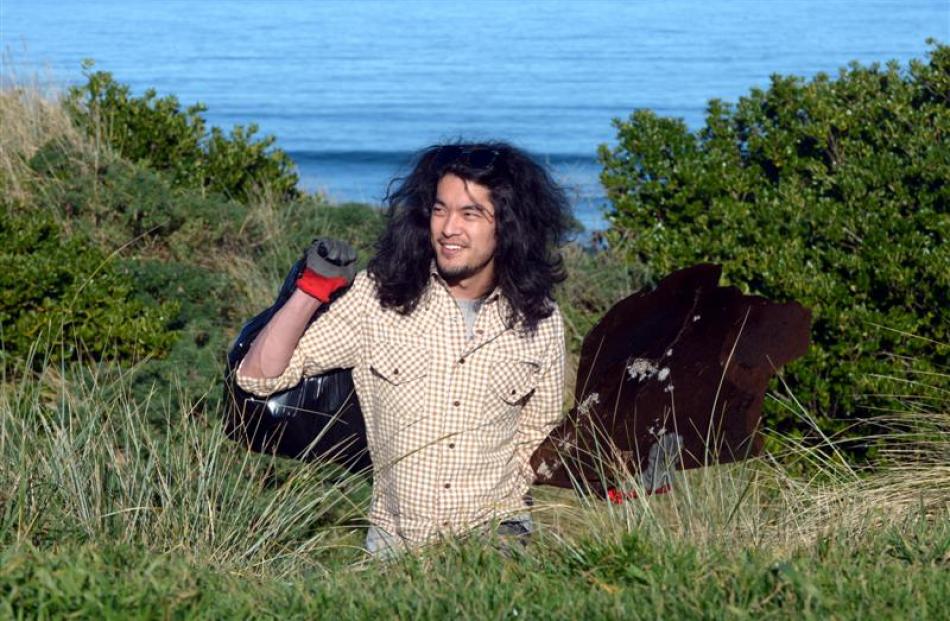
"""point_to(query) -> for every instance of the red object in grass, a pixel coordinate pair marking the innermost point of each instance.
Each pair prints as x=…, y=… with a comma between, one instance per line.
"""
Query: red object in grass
x=617, y=497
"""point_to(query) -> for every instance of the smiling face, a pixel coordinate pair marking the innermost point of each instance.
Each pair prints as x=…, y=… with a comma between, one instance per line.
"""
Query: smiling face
x=462, y=231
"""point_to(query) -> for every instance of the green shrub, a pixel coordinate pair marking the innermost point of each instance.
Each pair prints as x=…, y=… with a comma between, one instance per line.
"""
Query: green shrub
x=202, y=253
x=831, y=192
x=310, y=217
x=61, y=293
x=205, y=323
x=123, y=202
x=157, y=131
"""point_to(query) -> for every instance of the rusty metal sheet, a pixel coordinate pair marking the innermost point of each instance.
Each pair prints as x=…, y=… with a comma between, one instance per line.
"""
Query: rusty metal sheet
x=671, y=378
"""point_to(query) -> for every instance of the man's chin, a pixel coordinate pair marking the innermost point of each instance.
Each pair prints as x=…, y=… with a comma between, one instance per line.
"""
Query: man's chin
x=455, y=272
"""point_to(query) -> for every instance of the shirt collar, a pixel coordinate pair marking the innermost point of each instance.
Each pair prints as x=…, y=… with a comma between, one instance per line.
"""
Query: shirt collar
x=495, y=295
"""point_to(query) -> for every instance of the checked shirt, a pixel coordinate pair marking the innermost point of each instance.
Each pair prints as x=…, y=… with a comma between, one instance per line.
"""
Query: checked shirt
x=451, y=422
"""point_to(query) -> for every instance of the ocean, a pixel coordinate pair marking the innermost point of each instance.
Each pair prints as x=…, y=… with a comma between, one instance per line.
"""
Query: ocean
x=352, y=88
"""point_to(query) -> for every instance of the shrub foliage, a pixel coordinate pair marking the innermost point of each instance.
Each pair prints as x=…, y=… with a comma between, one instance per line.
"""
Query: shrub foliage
x=131, y=203
x=185, y=264
x=158, y=132
x=832, y=192
x=61, y=294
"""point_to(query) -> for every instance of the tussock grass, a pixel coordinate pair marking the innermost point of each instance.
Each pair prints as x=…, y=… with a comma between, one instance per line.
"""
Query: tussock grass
x=32, y=116
x=788, y=499
x=155, y=513
x=84, y=461
x=82, y=457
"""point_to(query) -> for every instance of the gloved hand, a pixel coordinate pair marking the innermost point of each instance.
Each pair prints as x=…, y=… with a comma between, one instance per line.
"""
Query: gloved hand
x=331, y=265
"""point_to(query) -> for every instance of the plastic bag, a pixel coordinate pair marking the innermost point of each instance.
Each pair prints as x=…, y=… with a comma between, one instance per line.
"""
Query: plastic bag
x=319, y=418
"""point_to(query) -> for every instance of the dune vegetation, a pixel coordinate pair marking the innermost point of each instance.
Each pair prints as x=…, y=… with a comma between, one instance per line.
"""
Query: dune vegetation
x=134, y=241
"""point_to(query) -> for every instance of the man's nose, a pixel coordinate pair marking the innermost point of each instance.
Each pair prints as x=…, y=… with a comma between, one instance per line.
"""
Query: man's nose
x=451, y=224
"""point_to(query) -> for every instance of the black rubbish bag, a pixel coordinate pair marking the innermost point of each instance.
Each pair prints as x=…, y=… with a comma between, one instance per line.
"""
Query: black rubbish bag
x=319, y=418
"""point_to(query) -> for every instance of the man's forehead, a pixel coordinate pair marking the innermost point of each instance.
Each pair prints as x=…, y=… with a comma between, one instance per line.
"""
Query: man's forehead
x=453, y=191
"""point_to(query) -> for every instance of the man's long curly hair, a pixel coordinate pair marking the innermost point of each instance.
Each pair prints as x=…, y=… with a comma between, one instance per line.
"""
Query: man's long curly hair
x=532, y=214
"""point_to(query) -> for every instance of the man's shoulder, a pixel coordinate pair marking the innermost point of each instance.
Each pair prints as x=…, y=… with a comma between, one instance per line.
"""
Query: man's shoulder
x=555, y=312
x=361, y=295
x=364, y=286
x=553, y=323
x=365, y=296
x=551, y=328
x=547, y=339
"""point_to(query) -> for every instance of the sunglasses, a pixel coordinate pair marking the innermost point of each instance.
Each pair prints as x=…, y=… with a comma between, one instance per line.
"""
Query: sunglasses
x=476, y=158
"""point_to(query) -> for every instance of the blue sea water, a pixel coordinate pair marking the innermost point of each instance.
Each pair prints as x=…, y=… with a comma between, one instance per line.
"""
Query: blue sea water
x=352, y=88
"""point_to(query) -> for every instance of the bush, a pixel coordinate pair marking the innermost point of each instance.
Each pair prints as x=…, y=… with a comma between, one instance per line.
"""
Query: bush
x=831, y=192
x=125, y=202
x=156, y=131
x=217, y=261
x=205, y=322
x=63, y=294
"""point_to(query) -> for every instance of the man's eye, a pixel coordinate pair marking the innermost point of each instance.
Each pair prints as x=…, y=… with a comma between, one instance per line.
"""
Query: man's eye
x=471, y=214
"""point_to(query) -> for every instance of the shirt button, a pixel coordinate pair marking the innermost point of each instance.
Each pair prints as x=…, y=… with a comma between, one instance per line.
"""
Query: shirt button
x=445, y=523
x=447, y=486
x=395, y=371
x=451, y=444
x=479, y=332
x=461, y=360
x=456, y=403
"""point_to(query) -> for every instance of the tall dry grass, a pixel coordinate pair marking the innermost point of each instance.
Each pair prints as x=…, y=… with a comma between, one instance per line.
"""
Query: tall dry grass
x=787, y=499
x=81, y=460
x=31, y=116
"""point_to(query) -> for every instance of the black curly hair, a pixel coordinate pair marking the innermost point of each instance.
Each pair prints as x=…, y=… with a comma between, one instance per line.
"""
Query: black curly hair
x=532, y=215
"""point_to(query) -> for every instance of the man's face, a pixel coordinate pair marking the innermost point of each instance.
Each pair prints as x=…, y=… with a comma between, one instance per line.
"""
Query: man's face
x=462, y=230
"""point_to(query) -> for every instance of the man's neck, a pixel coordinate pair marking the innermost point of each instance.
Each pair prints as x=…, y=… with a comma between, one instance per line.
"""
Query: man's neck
x=472, y=288
x=468, y=293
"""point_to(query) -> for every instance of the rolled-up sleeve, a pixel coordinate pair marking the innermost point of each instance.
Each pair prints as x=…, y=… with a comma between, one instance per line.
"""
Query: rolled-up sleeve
x=542, y=412
x=333, y=341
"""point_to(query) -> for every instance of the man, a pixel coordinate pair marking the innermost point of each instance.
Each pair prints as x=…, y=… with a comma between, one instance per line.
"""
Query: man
x=456, y=344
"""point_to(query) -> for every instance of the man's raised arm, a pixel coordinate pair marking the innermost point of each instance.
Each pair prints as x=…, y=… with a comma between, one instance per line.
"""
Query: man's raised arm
x=271, y=350
x=330, y=266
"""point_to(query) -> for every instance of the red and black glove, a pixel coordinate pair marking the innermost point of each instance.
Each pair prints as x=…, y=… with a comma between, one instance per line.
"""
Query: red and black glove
x=331, y=266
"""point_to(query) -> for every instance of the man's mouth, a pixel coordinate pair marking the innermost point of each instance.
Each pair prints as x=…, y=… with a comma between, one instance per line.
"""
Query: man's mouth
x=450, y=250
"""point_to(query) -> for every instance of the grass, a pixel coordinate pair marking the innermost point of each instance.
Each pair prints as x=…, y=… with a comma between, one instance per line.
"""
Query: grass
x=633, y=580
x=103, y=514
x=121, y=497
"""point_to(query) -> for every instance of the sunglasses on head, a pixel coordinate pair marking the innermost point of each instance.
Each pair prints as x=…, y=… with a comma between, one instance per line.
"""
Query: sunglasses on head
x=476, y=158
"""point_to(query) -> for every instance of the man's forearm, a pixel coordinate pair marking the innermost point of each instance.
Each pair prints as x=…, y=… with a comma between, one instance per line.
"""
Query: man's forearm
x=271, y=350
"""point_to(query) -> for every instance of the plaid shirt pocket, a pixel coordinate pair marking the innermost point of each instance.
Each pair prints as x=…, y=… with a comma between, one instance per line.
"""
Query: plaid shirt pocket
x=399, y=370
x=511, y=384
x=513, y=381
x=399, y=364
